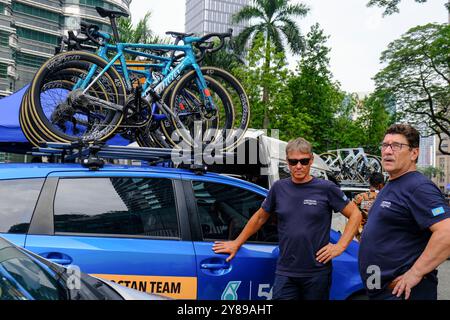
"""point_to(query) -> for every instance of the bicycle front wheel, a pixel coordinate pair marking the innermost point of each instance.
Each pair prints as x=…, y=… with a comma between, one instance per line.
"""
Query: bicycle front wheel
x=190, y=105
x=241, y=104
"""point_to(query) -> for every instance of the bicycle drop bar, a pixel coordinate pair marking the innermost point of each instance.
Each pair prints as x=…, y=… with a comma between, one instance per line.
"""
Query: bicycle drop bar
x=221, y=36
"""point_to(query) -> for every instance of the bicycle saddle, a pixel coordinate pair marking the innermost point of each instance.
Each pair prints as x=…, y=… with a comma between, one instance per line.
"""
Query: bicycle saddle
x=179, y=34
x=110, y=13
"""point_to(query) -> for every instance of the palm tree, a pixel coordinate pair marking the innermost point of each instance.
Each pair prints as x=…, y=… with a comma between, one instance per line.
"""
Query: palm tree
x=274, y=21
x=139, y=34
x=226, y=58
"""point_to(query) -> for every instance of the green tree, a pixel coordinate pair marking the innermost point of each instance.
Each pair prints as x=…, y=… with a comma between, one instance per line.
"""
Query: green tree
x=346, y=131
x=279, y=108
x=374, y=120
x=141, y=33
x=316, y=97
x=274, y=22
x=226, y=58
x=391, y=6
x=431, y=172
x=417, y=78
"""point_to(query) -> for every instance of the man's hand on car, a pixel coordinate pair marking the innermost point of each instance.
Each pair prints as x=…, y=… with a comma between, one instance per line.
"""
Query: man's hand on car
x=330, y=251
x=230, y=247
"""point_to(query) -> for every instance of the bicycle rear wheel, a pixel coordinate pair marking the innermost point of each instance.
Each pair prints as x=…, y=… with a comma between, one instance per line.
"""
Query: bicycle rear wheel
x=66, y=109
x=329, y=158
x=30, y=127
x=366, y=167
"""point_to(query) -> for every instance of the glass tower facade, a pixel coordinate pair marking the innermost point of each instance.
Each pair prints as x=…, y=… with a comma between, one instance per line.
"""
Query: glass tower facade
x=205, y=16
x=29, y=31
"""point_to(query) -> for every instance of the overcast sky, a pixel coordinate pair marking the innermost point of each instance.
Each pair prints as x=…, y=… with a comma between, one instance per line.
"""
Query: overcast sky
x=358, y=34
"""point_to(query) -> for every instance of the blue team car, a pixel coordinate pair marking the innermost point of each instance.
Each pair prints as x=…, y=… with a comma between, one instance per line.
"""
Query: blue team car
x=150, y=228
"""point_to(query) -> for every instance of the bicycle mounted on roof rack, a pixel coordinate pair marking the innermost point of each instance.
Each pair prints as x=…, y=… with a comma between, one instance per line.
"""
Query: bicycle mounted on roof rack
x=96, y=97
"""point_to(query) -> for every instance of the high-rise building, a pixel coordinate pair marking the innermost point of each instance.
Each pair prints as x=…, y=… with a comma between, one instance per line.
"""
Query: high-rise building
x=443, y=164
x=427, y=152
x=29, y=31
x=205, y=16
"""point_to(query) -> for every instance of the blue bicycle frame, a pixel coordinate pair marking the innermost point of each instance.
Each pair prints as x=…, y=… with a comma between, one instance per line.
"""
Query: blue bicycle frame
x=168, y=72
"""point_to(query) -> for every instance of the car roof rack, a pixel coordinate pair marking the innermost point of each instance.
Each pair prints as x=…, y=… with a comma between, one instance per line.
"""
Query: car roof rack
x=92, y=155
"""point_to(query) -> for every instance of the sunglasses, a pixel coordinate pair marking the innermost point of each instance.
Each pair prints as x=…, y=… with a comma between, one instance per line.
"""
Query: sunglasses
x=303, y=162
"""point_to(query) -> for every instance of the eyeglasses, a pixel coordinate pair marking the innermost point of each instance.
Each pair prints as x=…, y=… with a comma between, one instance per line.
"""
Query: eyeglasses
x=303, y=162
x=395, y=146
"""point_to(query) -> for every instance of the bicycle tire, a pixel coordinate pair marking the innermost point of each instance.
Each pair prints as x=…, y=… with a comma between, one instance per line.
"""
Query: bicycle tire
x=374, y=165
x=31, y=130
x=27, y=128
x=33, y=126
x=241, y=104
x=111, y=79
x=186, y=91
x=36, y=120
x=328, y=157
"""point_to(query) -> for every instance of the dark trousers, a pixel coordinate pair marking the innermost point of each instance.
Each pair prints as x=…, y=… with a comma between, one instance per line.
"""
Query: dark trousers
x=425, y=290
x=315, y=287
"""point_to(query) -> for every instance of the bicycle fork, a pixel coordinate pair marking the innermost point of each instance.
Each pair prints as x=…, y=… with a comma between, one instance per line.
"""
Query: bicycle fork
x=165, y=109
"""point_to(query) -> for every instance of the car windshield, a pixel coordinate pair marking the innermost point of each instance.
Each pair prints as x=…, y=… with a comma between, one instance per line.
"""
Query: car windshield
x=22, y=278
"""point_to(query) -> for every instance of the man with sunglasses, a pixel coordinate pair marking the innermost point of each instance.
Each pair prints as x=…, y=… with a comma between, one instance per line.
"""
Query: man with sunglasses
x=407, y=235
x=303, y=206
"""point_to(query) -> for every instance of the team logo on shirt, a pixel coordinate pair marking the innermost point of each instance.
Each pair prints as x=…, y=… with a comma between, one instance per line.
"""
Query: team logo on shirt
x=438, y=211
x=310, y=202
x=385, y=204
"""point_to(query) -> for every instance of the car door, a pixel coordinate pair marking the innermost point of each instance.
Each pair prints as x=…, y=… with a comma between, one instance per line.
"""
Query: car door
x=122, y=226
x=220, y=211
x=18, y=198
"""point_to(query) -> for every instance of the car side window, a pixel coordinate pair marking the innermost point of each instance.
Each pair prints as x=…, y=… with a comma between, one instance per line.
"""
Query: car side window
x=116, y=206
x=17, y=201
x=225, y=210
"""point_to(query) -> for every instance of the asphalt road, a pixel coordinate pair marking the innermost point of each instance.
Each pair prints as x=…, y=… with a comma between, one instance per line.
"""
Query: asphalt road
x=444, y=281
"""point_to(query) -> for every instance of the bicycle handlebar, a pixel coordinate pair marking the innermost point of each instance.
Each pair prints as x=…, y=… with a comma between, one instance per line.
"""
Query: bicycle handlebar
x=205, y=46
x=202, y=44
x=221, y=37
x=91, y=31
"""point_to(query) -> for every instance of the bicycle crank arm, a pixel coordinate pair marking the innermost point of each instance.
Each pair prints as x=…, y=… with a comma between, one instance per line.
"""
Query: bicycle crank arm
x=77, y=97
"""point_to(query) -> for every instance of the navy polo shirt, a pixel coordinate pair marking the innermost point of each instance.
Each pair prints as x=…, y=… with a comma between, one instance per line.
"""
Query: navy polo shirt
x=304, y=213
x=397, y=230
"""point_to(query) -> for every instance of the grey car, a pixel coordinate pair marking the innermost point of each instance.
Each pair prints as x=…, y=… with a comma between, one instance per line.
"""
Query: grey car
x=26, y=276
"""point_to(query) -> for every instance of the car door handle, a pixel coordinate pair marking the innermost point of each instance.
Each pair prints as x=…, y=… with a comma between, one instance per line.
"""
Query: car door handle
x=215, y=266
x=57, y=257
x=61, y=261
